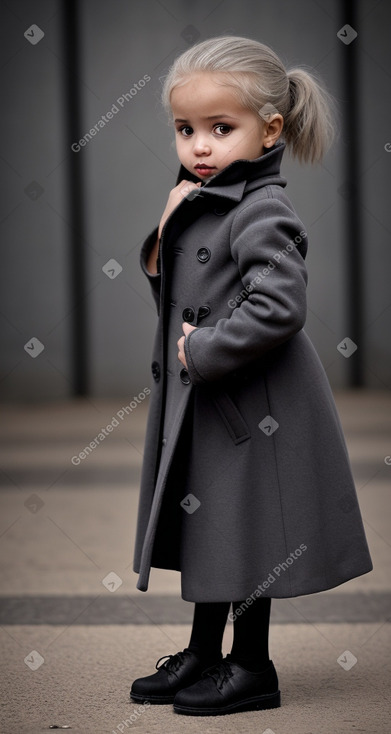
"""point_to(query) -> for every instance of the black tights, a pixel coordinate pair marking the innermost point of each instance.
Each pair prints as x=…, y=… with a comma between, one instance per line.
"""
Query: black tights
x=250, y=646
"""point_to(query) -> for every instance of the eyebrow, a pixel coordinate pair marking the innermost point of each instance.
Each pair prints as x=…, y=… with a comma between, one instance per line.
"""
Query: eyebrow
x=211, y=117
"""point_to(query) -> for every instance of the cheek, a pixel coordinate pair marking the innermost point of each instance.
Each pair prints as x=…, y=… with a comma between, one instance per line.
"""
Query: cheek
x=179, y=147
x=228, y=144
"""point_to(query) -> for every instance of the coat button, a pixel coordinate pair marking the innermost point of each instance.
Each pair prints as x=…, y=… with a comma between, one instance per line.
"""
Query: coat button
x=202, y=312
x=188, y=314
x=220, y=212
x=184, y=376
x=156, y=371
x=203, y=254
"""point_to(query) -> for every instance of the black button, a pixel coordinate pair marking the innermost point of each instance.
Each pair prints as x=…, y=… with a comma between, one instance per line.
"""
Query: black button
x=220, y=212
x=202, y=312
x=188, y=314
x=203, y=254
x=156, y=371
x=184, y=375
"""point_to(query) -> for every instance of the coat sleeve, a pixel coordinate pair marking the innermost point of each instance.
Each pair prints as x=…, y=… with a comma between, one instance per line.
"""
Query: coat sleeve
x=270, y=308
x=154, y=278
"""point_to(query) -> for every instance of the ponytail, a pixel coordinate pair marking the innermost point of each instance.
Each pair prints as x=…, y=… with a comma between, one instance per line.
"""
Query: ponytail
x=308, y=125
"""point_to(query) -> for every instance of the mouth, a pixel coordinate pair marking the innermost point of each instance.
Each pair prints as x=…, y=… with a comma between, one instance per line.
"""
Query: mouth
x=204, y=170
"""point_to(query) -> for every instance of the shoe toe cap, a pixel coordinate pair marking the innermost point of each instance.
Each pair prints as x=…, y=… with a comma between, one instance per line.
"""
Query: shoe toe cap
x=145, y=686
x=197, y=695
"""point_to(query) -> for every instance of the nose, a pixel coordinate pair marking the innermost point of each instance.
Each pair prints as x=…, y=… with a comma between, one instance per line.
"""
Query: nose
x=201, y=145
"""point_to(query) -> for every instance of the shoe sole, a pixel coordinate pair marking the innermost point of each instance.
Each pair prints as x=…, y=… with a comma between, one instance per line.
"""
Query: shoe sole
x=268, y=701
x=158, y=700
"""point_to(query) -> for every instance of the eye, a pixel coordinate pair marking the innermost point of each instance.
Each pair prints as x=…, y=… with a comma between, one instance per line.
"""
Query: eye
x=185, y=130
x=224, y=129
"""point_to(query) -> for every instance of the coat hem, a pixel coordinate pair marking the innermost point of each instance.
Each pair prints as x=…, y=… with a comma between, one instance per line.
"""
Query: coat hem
x=267, y=594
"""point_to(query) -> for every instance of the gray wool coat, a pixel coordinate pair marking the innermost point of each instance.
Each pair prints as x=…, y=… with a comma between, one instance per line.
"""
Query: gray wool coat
x=246, y=485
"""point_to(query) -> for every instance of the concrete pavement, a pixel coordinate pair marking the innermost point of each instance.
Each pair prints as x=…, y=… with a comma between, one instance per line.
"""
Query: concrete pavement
x=75, y=631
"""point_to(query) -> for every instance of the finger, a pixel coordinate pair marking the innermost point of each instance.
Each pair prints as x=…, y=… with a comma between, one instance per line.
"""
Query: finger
x=188, y=186
x=187, y=328
x=191, y=183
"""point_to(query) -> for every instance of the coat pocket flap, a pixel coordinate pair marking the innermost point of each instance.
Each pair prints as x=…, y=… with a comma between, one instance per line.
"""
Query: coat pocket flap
x=233, y=420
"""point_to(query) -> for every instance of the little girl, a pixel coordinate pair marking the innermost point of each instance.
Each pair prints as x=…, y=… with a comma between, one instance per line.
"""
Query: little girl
x=246, y=486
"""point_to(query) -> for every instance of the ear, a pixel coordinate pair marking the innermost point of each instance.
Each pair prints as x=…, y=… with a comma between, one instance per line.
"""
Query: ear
x=272, y=130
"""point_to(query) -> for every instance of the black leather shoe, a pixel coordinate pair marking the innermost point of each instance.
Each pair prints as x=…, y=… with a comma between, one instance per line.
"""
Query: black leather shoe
x=227, y=688
x=177, y=672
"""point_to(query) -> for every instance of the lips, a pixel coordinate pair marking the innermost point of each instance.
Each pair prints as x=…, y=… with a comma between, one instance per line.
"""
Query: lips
x=202, y=168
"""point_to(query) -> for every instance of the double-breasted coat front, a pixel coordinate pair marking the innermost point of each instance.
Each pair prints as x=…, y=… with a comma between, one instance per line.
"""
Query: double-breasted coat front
x=246, y=485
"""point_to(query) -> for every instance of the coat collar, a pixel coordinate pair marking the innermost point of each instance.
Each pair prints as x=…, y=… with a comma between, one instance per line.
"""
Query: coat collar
x=242, y=175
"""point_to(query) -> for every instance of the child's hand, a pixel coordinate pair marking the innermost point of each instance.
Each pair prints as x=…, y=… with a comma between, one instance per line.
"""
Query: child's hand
x=176, y=196
x=186, y=328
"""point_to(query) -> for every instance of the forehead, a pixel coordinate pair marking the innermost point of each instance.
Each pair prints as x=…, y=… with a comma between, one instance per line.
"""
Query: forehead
x=205, y=95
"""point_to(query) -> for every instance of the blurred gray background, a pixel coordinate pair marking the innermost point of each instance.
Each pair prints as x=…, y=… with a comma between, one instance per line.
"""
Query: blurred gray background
x=64, y=215
x=130, y=165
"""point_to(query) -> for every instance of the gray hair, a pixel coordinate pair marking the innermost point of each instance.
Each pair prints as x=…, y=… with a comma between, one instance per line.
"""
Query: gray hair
x=263, y=85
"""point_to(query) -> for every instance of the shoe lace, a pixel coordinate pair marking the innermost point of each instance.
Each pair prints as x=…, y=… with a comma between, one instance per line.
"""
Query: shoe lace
x=220, y=673
x=173, y=662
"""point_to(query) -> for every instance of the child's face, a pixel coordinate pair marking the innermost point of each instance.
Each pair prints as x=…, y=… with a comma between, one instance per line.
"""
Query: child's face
x=213, y=129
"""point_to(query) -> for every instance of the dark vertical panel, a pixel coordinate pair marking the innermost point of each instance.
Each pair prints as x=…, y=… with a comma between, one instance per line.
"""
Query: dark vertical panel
x=71, y=36
x=352, y=191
